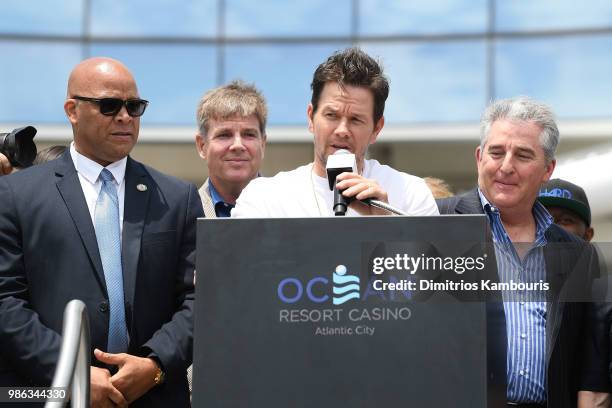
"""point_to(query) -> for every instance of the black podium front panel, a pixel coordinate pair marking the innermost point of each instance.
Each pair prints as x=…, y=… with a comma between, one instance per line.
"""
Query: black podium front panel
x=286, y=316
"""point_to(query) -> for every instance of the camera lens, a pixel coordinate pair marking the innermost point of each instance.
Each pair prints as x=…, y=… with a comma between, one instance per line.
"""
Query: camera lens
x=19, y=147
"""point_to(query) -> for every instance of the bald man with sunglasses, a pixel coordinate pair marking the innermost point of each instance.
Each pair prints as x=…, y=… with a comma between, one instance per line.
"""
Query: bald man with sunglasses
x=98, y=226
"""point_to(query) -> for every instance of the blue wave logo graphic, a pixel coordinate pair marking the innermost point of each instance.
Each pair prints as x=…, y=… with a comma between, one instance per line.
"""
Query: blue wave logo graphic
x=346, y=287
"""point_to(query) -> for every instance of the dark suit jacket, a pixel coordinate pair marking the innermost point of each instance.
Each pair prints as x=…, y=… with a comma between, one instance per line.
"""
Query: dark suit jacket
x=571, y=265
x=49, y=256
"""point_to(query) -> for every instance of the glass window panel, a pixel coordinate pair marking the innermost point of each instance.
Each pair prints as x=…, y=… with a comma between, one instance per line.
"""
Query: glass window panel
x=282, y=72
x=571, y=74
x=33, y=83
x=552, y=14
x=42, y=17
x=154, y=18
x=394, y=17
x=247, y=18
x=433, y=82
x=172, y=78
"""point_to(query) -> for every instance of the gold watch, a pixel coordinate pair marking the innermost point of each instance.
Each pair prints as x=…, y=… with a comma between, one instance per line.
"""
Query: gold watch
x=160, y=376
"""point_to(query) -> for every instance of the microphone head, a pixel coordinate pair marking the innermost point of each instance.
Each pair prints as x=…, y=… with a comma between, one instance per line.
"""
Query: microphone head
x=341, y=152
x=341, y=161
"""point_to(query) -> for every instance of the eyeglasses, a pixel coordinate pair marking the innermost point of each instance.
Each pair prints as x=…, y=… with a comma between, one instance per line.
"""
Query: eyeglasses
x=112, y=106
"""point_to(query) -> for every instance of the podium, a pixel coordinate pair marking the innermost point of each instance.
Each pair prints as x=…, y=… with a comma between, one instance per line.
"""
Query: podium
x=286, y=316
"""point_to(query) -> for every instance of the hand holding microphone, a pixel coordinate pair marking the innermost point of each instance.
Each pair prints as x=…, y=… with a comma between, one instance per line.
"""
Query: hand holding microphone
x=362, y=191
x=348, y=185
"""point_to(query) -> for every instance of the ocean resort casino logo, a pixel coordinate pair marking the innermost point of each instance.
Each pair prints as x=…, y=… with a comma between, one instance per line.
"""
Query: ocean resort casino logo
x=345, y=287
x=340, y=307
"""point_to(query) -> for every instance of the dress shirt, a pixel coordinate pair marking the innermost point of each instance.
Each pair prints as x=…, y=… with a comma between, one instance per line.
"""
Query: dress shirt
x=525, y=320
x=89, y=172
x=222, y=209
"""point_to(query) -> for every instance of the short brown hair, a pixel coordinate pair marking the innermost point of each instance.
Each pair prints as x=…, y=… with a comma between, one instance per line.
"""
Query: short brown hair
x=352, y=67
x=234, y=99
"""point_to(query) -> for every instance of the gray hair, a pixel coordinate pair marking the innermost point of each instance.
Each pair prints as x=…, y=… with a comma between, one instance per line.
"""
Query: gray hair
x=523, y=109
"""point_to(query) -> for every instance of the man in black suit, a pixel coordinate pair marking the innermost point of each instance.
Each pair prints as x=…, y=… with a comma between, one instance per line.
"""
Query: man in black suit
x=515, y=157
x=98, y=226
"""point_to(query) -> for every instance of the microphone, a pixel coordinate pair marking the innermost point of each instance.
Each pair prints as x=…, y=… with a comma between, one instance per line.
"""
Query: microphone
x=340, y=162
x=344, y=161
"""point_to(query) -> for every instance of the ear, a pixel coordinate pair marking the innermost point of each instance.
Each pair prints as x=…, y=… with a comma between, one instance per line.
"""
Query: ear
x=310, y=114
x=550, y=167
x=200, y=142
x=71, y=111
x=477, y=154
x=377, y=128
x=588, y=234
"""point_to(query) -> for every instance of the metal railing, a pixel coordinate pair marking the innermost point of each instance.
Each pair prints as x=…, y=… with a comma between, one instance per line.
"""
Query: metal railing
x=72, y=372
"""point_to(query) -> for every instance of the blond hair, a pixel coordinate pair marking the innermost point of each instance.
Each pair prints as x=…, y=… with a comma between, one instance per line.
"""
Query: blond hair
x=438, y=187
x=234, y=99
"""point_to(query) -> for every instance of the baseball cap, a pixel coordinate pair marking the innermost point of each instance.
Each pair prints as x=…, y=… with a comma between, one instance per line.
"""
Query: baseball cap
x=562, y=193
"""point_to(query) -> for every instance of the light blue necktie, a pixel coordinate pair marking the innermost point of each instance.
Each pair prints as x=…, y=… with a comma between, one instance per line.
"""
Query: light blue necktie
x=108, y=235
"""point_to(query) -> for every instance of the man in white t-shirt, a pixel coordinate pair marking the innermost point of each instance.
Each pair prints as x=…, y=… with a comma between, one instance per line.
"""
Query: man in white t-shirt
x=349, y=91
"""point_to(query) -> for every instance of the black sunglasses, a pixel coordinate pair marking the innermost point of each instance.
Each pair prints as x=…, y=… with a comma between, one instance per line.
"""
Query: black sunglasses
x=112, y=106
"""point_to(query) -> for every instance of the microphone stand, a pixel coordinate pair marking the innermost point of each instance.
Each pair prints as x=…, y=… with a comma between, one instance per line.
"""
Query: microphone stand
x=383, y=206
x=341, y=204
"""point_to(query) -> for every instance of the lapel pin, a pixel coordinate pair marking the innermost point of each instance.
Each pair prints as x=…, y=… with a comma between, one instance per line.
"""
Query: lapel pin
x=141, y=187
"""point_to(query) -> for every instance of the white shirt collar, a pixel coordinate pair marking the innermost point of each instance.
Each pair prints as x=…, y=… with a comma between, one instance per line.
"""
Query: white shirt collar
x=91, y=170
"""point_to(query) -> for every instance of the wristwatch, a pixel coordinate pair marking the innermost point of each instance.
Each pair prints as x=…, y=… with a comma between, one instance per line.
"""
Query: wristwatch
x=160, y=376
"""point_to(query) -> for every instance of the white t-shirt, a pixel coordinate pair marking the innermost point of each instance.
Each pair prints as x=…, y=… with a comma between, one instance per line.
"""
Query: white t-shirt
x=301, y=193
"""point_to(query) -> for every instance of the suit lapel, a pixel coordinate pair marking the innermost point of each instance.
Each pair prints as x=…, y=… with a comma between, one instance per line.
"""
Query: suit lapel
x=70, y=189
x=209, y=208
x=469, y=203
x=134, y=213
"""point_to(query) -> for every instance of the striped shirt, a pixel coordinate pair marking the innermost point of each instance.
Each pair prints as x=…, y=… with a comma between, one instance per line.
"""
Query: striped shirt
x=525, y=320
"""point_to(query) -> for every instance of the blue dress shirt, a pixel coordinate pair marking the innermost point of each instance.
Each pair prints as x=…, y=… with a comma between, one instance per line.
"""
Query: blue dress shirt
x=525, y=320
x=222, y=209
